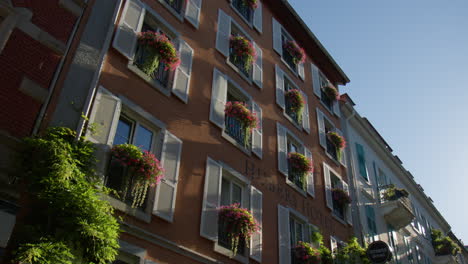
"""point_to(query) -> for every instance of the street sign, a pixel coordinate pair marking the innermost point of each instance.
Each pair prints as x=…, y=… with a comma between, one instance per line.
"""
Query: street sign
x=378, y=252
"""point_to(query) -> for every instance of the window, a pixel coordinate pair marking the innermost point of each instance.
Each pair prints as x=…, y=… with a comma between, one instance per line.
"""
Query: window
x=409, y=251
x=333, y=180
x=176, y=5
x=231, y=193
x=393, y=240
x=137, y=18
x=244, y=10
x=225, y=186
x=362, y=161
x=287, y=143
x=297, y=232
x=283, y=85
x=225, y=90
x=227, y=27
x=324, y=126
x=280, y=37
x=319, y=82
x=382, y=179
x=371, y=225
x=129, y=131
x=135, y=126
x=336, y=244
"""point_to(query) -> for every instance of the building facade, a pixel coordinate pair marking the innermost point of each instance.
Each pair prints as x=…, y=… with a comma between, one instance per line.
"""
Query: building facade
x=389, y=205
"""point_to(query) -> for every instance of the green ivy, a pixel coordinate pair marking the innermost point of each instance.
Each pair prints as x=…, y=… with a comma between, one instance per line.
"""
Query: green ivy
x=352, y=253
x=443, y=245
x=69, y=223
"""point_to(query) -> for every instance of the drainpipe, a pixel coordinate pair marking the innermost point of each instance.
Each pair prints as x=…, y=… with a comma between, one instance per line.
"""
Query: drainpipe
x=353, y=183
x=57, y=73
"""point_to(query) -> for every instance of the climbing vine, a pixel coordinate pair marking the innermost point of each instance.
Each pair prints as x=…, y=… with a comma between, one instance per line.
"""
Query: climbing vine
x=68, y=222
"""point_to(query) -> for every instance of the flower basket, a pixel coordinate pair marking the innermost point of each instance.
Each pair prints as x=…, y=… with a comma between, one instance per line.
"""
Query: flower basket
x=248, y=120
x=304, y=253
x=392, y=193
x=296, y=101
x=338, y=141
x=243, y=50
x=299, y=164
x=250, y=3
x=297, y=53
x=240, y=224
x=331, y=92
x=158, y=48
x=144, y=167
x=340, y=196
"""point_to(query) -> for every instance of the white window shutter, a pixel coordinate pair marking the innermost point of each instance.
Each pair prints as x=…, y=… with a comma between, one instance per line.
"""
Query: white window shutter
x=256, y=209
x=181, y=83
x=316, y=80
x=105, y=114
x=300, y=71
x=336, y=108
x=333, y=245
x=257, y=133
x=224, y=33
x=321, y=129
x=343, y=152
x=130, y=24
x=192, y=12
x=279, y=86
x=166, y=191
x=283, y=235
x=310, y=176
x=305, y=114
x=218, y=98
x=257, y=75
x=328, y=192
x=282, y=150
x=258, y=18
x=211, y=200
x=349, y=218
x=277, y=43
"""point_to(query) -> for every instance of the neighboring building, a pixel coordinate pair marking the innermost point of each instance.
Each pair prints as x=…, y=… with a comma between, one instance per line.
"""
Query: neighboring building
x=404, y=223
x=35, y=41
x=462, y=257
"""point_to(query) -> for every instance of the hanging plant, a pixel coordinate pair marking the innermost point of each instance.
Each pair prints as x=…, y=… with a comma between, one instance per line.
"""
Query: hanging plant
x=331, y=92
x=296, y=102
x=239, y=224
x=299, y=164
x=250, y=3
x=158, y=48
x=243, y=50
x=443, y=245
x=392, y=193
x=248, y=120
x=304, y=253
x=351, y=253
x=341, y=196
x=297, y=53
x=338, y=141
x=144, y=167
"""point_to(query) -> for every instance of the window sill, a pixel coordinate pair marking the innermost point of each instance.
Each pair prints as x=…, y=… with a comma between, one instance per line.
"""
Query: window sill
x=234, y=67
x=226, y=252
x=250, y=24
x=248, y=152
x=123, y=207
x=339, y=219
x=172, y=11
x=296, y=188
x=164, y=90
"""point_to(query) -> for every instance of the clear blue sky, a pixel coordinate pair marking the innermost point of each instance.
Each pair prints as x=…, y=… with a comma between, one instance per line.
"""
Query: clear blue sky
x=408, y=65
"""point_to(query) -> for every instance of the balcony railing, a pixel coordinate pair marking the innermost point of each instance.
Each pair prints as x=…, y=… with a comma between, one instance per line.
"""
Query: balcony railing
x=234, y=129
x=289, y=111
x=175, y=4
x=224, y=239
x=239, y=63
x=331, y=149
x=296, y=178
x=326, y=100
x=243, y=9
x=289, y=59
x=397, y=211
x=161, y=75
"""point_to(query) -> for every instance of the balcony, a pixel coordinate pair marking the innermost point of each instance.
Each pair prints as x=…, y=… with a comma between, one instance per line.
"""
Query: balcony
x=396, y=208
x=160, y=75
x=296, y=178
x=239, y=62
x=234, y=130
x=331, y=149
x=290, y=112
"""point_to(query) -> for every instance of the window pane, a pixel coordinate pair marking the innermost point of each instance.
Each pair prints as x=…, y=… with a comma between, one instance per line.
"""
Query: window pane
x=144, y=138
x=225, y=192
x=299, y=232
x=124, y=130
x=236, y=194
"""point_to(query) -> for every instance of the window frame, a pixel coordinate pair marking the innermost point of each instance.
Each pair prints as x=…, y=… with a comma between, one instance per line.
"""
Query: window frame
x=288, y=80
x=180, y=16
x=301, y=149
x=287, y=36
x=249, y=78
x=249, y=23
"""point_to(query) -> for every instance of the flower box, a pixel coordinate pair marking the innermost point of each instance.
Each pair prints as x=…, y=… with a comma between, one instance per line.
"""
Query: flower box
x=304, y=253
x=331, y=92
x=295, y=102
x=392, y=193
x=158, y=48
x=248, y=120
x=297, y=53
x=242, y=51
x=240, y=224
x=338, y=141
x=144, y=167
